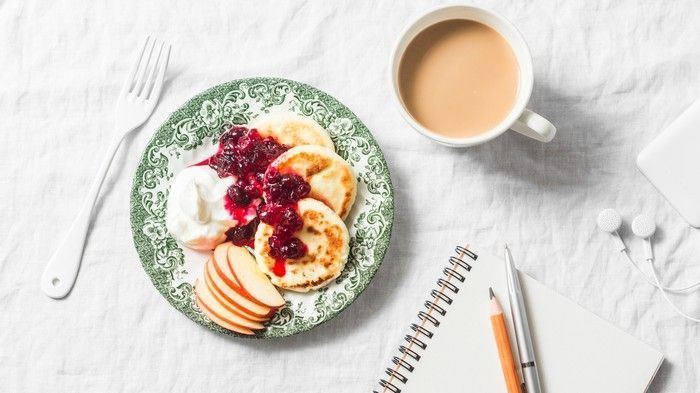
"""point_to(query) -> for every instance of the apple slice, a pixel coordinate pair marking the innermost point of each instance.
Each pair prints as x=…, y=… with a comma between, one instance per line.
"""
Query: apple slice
x=251, y=279
x=234, y=308
x=221, y=257
x=205, y=297
x=217, y=284
x=223, y=269
x=214, y=318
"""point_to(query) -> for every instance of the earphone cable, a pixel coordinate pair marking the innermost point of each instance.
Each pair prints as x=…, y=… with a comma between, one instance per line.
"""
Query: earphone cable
x=657, y=284
x=663, y=293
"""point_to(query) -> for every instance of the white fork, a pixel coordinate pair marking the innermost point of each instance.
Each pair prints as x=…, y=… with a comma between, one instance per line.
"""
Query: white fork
x=136, y=101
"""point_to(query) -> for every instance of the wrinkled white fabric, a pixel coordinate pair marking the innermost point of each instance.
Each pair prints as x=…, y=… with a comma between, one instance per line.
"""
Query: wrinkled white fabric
x=609, y=74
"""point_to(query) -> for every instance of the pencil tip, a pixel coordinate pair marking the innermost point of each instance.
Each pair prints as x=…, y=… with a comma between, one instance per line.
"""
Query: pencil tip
x=506, y=245
x=491, y=295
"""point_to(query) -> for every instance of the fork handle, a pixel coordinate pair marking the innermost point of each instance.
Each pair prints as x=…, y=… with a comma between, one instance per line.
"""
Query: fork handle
x=62, y=270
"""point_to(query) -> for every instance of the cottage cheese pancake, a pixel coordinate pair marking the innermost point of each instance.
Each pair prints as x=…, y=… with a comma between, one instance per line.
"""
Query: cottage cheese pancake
x=331, y=179
x=327, y=240
x=292, y=130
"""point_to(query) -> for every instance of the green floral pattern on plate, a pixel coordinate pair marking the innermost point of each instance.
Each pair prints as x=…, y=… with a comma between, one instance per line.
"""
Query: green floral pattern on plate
x=193, y=130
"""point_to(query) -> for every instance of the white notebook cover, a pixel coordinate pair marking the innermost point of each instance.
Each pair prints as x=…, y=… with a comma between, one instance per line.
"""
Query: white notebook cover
x=576, y=350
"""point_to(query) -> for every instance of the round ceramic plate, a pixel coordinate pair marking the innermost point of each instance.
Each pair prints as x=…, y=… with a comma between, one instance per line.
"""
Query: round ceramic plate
x=191, y=134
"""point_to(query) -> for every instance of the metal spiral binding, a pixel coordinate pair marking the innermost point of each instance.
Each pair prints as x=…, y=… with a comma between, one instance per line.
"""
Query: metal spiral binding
x=413, y=340
x=421, y=330
x=448, y=285
x=435, y=307
x=395, y=374
x=463, y=251
x=402, y=363
x=426, y=317
x=408, y=351
x=454, y=274
x=459, y=262
x=440, y=295
x=390, y=386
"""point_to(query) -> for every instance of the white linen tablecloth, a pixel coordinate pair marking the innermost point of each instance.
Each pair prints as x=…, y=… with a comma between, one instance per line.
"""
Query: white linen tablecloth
x=609, y=74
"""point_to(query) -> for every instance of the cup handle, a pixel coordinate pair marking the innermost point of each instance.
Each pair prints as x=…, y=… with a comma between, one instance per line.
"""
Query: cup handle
x=534, y=126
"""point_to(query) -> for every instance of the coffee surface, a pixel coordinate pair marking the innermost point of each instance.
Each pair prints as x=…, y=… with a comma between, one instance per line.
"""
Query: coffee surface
x=458, y=78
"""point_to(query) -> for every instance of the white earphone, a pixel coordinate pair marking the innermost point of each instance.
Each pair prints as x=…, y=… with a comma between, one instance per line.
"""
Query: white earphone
x=609, y=221
x=643, y=226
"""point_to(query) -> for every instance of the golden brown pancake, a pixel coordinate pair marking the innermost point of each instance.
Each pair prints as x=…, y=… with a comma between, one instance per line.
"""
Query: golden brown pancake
x=292, y=130
x=332, y=180
x=327, y=240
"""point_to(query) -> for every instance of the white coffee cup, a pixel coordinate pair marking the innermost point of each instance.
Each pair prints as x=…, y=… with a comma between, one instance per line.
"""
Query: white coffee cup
x=519, y=119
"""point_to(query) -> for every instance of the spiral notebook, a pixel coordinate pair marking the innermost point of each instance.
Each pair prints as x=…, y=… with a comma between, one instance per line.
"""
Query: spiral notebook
x=450, y=346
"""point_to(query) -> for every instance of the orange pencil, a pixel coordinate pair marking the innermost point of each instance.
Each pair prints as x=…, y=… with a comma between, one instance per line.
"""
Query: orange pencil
x=505, y=353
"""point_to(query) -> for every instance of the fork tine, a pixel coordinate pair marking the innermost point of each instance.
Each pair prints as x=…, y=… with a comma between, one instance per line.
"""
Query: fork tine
x=143, y=68
x=151, y=73
x=158, y=84
x=132, y=72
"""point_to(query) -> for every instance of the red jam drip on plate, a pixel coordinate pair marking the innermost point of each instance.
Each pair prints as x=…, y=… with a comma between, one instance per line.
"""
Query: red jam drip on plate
x=246, y=155
x=242, y=214
x=203, y=162
x=280, y=268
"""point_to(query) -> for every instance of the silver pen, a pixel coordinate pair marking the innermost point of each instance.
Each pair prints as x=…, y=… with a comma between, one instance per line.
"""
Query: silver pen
x=523, y=337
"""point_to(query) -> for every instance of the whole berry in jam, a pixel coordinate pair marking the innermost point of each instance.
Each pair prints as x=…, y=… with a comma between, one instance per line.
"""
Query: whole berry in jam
x=222, y=164
x=287, y=188
x=268, y=213
x=228, y=139
x=294, y=249
x=289, y=222
x=290, y=248
x=238, y=195
x=275, y=242
x=243, y=234
x=272, y=149
x=253, y=188
x=280, y=216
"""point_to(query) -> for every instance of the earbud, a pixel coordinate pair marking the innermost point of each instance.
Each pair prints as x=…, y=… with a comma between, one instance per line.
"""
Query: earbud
x=609, y=221
x=644, y=226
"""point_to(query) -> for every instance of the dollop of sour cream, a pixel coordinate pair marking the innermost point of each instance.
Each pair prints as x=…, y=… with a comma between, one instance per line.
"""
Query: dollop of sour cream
x=196, y=212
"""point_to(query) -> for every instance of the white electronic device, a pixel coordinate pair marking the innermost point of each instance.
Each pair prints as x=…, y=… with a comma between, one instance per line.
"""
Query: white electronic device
x=672, y=164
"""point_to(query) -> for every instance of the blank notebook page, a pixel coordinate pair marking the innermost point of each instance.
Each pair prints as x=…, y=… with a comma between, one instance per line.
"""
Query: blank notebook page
x=576, y=350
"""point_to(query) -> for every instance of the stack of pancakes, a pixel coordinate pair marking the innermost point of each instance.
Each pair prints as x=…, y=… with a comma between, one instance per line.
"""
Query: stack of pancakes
x=333, y=189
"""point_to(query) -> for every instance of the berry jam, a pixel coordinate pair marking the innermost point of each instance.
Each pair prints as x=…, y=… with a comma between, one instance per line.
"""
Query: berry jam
x=203, y=162
x=280, y=268
x=242, y=235
x=244, y=154
x=238, y=195
x=287, y=188
x=285, y=220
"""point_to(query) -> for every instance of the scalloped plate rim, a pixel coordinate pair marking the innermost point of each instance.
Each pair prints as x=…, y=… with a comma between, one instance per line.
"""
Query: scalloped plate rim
x=135, y=198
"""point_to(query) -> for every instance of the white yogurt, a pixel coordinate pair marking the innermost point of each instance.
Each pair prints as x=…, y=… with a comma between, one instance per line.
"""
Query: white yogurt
x=197, y=216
